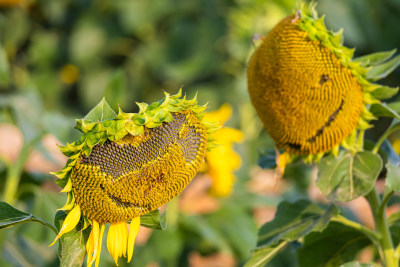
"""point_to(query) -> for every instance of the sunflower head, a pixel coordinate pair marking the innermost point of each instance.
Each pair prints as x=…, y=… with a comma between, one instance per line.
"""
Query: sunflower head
x=126, y=165
x=308, y=91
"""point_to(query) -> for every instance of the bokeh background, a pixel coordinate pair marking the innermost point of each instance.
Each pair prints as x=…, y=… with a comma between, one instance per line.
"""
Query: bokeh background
x=59, y=58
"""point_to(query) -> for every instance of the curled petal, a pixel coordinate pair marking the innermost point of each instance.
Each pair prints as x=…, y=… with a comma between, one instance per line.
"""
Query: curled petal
x=69, y=223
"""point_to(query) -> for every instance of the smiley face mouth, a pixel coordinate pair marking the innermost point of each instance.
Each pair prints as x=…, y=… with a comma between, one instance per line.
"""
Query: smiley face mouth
x=320, y=131
x=331, y=118
x=119, y=202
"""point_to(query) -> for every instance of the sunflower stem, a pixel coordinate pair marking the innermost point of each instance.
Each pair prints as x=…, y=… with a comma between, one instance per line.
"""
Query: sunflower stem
x=14, y=172
x=374, y=237
x=386, y=248
x=384, y=136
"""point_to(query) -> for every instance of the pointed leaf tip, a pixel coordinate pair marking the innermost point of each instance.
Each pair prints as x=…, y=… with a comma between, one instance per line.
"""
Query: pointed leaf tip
x=101, y=112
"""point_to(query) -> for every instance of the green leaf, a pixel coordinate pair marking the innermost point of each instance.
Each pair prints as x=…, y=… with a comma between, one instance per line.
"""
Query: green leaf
x=393, y=176
x=334, y=246
x=394, y=227
x=263, y=255
x=348, y=176
x=154, y=220
x=380, y=71
x=72, y=245
x=4, y=68
x=292, y=221
x=385, y=110
x=358, y=264
x=384, y=92
x=394, y=106
x=375, y=58
x=101, y=112
x=10, y=216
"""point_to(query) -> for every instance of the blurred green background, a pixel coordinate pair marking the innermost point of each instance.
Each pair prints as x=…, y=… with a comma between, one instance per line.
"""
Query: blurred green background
x=59, y=58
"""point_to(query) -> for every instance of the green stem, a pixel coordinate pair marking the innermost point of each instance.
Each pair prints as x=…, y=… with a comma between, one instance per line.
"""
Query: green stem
x=374, y=237
x=384, y=136
x=381, y=227
x=15, y=171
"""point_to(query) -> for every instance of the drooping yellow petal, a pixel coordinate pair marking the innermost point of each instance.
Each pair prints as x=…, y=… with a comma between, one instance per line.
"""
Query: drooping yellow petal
x=99, y=246
x=90, y=248
x=117, y=240
x=282, y=161
x=94, y=242
x=133, y=231
x=111, y=243
x=124, y=237
x=69, y=223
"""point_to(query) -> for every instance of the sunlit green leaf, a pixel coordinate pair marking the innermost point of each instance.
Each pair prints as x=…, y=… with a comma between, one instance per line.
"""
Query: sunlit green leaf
x=358, y=264
x=335, y=245
x=154, y=220
x=10, y=216
x=292, y=221
x=348, y=176
x=393, y=177
x=394, y=226
x=263, y=255
x=4, y=68
x=385, y=110
x=375, y=58
x=101, y=112
x=72, y=245
x=384, y=92
x=382, y=70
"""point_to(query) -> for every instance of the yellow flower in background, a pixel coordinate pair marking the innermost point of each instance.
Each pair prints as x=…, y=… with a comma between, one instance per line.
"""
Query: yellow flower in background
x=128, y=165
x=9, y=3
x=396, y=146
x=69, y=74
x=222, y=161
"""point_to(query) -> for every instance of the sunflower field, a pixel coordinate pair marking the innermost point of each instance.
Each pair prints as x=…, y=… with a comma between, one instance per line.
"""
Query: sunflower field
x=199, y=133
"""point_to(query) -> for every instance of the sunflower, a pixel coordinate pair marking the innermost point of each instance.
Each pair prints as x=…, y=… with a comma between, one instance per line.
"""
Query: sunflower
x=309, y=92
x=128, y=165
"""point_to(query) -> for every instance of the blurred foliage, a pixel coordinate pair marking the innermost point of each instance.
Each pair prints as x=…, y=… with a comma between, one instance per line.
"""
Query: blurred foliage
x=59, y=58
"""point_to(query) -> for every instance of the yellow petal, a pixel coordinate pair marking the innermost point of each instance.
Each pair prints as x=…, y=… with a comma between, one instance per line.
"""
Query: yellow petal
x=100, y=242
x=117, y=239
x=95, y=242
x=69, y=223
x=90, y=248
x=133, y=230
x=220, y=115
x=111, y=243
x=124, y=238
x=227, y=135
x=283, y=160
